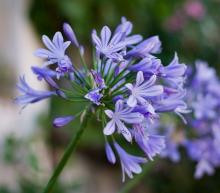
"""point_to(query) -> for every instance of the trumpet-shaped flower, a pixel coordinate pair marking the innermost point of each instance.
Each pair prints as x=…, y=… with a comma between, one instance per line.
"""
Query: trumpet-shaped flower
x=150, y=144
x=142, y=90
x=55, y=53
x=31, y=95
x=119, y=118
x=129, y=163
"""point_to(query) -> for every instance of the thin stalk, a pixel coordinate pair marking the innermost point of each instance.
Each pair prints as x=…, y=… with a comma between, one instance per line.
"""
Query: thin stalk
x=68, y=152
x=137, y=179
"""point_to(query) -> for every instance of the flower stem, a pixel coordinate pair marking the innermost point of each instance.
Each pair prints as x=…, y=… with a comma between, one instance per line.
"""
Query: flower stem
x=134, y=182
x=68, y=152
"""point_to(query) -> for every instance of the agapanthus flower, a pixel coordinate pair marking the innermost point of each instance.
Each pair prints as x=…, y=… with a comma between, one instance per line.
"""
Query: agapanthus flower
x=151, y=144
x=31, y=95
x=55, y=53
x=129, y=163
x=143, y=90
x=174, y=73
x=203, y=147
x=108, y=45
x=172, y=100
x=126, y=87
x=149, y=46
x=119, y=117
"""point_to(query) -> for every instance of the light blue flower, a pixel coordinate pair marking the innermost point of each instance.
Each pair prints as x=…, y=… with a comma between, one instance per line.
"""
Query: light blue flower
x=55, y=53
x=31, y=95
x=120, y=116
x=143, y=90
x=129, y=164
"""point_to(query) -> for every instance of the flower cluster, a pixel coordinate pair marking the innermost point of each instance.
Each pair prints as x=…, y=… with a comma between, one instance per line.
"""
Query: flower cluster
x=127, y=87
x=204, y=139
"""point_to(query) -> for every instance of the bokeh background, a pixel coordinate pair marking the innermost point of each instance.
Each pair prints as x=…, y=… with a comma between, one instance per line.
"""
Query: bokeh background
x=30, y=147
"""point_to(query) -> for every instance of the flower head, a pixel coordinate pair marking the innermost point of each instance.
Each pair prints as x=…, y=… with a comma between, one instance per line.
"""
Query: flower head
x=126, y=87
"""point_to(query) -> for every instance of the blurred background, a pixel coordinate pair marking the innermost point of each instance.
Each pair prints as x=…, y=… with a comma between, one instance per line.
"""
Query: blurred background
x=30, y=147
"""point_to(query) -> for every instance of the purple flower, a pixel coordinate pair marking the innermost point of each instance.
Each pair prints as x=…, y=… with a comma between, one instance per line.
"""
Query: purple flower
x=100, y=82
x=203, y=167
x=149, y=46
x=62, y=121
x=148, y=65
x=172, y=100
x=55, y=53
x=143, y=90
x=204, y=73
x=150, y=144
x=94, y=96
x=205, y=106
x=125, y=28
x=216, y=136
x=129, y=163
x=119, y=117
x=46, y=74
x=171, y=151
x=148, y=112
x=174, y=73
x=29, y=94
x=108, y=44
x=68, y=31
x=203, y=151
x=109, y=153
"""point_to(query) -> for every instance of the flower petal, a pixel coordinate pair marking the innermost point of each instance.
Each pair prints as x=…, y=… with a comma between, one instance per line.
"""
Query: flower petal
x=109, y=128
x=132, y=101
x=109, y=113
x=139, y=78
x=105, y=35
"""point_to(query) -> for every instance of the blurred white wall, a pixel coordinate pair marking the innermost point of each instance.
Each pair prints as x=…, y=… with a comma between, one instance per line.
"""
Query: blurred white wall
x=17, y=43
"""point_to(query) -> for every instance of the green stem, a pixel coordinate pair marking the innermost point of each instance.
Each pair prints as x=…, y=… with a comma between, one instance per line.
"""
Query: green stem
x=68, y=152
x=134, y=182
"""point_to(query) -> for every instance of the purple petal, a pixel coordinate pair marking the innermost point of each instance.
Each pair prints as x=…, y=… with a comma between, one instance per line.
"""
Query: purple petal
x=105, y=35
x=132, y=101
x=109, y=128
x=70, y=34
x=96, y=39
x=139, y=78
x=134, y=39
x=110, y=154
x=47, y=42
x=58, y=40
x=109, y=113
x=124, y=131
x=119, y=105
x=62, y=121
